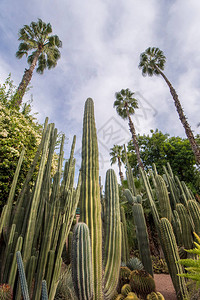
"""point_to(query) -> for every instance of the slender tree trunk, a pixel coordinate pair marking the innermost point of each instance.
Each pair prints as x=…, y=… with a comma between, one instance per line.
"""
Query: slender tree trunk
x=120, y=170
x=134, y=138
x=25, y=80
x=183, y=119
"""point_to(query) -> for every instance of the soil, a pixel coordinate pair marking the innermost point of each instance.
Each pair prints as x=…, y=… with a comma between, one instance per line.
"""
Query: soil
x=165, y=286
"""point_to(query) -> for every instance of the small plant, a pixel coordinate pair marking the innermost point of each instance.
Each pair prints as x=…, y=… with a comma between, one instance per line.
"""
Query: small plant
x=134, y=264
x=5, y=292
x=159, y=265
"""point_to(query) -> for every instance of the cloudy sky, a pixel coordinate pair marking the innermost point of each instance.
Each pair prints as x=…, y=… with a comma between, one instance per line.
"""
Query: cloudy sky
x=102, y=42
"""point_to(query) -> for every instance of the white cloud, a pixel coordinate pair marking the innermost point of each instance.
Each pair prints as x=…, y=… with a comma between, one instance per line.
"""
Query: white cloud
x=102, y=41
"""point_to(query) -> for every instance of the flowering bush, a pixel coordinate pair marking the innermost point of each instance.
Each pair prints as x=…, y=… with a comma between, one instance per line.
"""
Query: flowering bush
x=17, y=130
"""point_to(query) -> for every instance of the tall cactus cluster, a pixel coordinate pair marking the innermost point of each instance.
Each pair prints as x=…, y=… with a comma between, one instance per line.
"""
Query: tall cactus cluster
x=39, y=222
x=176, y=216
x=101, y=281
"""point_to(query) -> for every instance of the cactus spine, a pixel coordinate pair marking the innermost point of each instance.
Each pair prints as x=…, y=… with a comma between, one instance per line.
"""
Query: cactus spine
x=82, y=262
x=90, y=209
x=170, y=250
x=112, y=254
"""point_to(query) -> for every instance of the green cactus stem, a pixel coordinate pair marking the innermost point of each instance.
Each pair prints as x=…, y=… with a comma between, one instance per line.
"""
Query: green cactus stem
x=185, y=225
x=129, y=175
x=22, y=276
x=170, y=250
x=82, y=262
x=112, y=254
x=194, y=212
x=142, y=237
x=44, y=290
x=13, y=269
x=123, y=220
x=90, y=203
x=163, y=197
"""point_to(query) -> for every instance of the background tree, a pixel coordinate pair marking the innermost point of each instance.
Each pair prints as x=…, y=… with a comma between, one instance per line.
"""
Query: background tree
x=125, y=105
x=45, y=52
x=160, y=148
x=117, y=156
x=152, y=62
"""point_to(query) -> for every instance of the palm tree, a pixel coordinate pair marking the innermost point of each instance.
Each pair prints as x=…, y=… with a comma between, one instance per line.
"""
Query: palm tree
x=117, y=156
x=152, y=62
x=125, y=106
x=45, y=52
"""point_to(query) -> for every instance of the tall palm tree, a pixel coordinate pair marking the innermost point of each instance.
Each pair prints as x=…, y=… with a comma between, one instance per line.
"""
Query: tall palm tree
x=45, y=52
x=152, y=62
x=117, y=156
x=125, y=106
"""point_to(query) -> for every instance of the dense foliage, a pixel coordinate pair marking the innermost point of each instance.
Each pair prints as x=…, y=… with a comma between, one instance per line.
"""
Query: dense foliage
x=17, y=130
x=160, y=148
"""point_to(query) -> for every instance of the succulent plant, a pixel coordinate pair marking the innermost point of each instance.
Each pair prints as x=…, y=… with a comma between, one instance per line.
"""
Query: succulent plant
x=126, y=289
x=142, y=282
x=134, y=264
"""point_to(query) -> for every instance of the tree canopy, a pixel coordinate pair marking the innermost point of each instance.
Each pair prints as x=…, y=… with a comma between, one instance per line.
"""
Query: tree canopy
x=160, y=148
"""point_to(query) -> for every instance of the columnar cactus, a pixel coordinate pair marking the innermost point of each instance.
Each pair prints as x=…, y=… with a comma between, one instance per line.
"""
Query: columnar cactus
x=90, y=204
x=82, y=262
x=47, y=203
x=22, y=277
x=194, y=211
x=123, y=220
x=185, y=225
x=142, y=237
x=164, y=202
x=129, y=175
x=170, y=250
x=44, y=290
x=150, y=197
x=112, y=250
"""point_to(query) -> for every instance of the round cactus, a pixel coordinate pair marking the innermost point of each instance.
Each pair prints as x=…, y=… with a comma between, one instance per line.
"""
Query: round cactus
x=155, y=296
x=131, y=296
x=123, y=277
x=126, y=289
x=142, y=282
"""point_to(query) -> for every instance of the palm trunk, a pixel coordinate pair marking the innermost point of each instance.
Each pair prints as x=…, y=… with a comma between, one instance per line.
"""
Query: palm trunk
x=120, y=170
x=25, y=80
x=183, y=119
x=134, y=138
